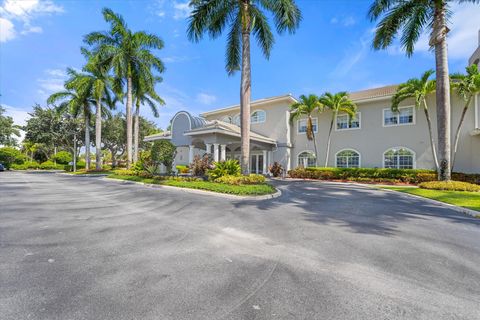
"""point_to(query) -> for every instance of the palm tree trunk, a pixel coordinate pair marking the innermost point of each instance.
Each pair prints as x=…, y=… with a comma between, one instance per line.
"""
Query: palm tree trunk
x=432, y=142
x=98, y=136
x=245, y=93
x=136, y=131
x=87, y=142
x=314, y=145
x=457, y=133
x=129, y=122
x=328, y=141
x=443, y=91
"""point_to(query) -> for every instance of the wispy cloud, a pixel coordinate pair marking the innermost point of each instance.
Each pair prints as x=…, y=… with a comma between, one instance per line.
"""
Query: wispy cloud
x=21, y=14
x=360, y=49
x=53, y=81
x=174, y=59
x=205, y=98
x=181, y=10
x=345, y=21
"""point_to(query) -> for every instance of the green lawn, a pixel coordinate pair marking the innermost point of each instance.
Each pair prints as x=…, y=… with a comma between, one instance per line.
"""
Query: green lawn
x=250, y=190
x=469, y=200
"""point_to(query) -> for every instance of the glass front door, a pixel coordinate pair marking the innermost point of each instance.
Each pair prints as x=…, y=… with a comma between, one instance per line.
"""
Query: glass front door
x=256, y=163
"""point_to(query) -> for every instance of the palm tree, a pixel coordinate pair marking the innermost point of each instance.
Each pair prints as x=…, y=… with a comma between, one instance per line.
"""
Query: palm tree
x=338, y=102
x=129, y=54
x=468, y=86
x=144, y=94
x=411, y=18
x=76, y=102
x=242, y=18
x=307, y=106
x=418, y=89
x=96, y=82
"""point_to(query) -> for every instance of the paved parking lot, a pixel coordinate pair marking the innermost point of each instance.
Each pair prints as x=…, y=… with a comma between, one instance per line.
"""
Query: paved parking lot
x=85, y=248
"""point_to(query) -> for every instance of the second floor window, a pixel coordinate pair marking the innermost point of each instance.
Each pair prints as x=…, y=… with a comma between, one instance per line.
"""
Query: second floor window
x=345, y=122
x=302, y=125
x=404, y=116
x=236, y=120
x=258, y=116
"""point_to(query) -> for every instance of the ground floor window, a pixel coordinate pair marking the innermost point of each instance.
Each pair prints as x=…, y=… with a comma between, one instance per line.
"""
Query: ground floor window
x=399, y=158
x=306, y=159
x=348, y=159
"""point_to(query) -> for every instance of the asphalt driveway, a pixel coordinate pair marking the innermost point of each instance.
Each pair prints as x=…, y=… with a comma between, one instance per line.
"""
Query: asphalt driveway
x=84, y=248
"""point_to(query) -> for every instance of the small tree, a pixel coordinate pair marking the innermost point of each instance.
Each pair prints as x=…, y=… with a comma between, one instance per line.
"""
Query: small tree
x=9, y=156
x=63, y=157
x=164, y=152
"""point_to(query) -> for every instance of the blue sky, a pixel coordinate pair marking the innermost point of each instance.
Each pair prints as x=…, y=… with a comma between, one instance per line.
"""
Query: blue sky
x=330, y=51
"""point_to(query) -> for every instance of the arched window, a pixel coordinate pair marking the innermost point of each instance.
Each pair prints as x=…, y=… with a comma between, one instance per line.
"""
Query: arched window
x=399, y=158
x=236, y=119
x=306, y=159
x=227, y=119
x=258, y=116
x=348, y=159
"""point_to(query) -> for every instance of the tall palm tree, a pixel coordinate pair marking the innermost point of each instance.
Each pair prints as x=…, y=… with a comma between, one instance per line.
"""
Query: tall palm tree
x=411, y=18
x=337, y=103
x=129, y=54
x=76, y=102
x=467, y=87
x=242, y=18
x=418, y=89
x=306, y=107
x=144, y=94
x=95, y=80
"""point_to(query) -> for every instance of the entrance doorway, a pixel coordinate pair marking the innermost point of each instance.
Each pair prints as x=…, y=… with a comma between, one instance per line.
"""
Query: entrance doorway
x=256, y=163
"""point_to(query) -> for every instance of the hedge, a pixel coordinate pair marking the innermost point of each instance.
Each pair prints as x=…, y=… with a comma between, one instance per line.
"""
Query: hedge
x=413, y=176
x=450, y=185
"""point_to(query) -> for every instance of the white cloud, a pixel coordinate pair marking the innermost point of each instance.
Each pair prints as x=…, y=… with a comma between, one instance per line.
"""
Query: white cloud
x=52, y=82
x=345, y=21
x=360, y=50
x=205, y=98
x=181, y=10
x=7, y=30
x=21, y=13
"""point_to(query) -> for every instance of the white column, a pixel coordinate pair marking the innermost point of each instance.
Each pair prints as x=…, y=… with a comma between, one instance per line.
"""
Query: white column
x=223, y=152
x=190, y=154
x=209, y=148
x=215, y=152
x=265, y=169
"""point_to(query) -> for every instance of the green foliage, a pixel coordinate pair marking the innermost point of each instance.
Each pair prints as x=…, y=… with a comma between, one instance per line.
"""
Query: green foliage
x=224, y=168
x=10, y=155
x=27, y=165
x=125, y=172
x=182, y=169
x=63, y=157
x=364, y=174
x=80, y=165
x=8, y=130
x=450, y=185
x=163, y=151
x=50, y=165
x=276, y=169
x=241, y=180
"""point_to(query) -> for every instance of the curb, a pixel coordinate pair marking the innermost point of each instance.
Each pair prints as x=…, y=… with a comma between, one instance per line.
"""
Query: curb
x=199, y=191
x=82, y=175
x=465, y=211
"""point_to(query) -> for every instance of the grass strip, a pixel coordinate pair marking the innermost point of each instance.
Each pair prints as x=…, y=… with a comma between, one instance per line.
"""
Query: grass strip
x=241, y=190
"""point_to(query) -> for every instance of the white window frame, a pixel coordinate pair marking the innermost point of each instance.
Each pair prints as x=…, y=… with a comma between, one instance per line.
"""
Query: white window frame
x=398, y=117
x=229, y=117
x=239, y=120
x=308, y=151
x=350, y=149
x=264, y=118
x=414, y=162
x=358, y=117
x=314, y=122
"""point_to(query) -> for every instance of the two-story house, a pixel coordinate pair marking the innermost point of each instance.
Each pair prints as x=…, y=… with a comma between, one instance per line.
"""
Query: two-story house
x=376, y=138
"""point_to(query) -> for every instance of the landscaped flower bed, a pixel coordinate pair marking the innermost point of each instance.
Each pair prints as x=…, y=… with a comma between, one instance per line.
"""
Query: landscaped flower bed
x=372, y=175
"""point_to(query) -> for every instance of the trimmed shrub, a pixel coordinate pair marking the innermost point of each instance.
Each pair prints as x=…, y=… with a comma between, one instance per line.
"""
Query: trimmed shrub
x=276, y=169
x=62, y=157
x=186, y=179
x=10, y=156
x=50, y=165
x=224, y=168
x=125, y=172
x=183, y=169
x=450, y=185
x=25, y=166
x=239, y=180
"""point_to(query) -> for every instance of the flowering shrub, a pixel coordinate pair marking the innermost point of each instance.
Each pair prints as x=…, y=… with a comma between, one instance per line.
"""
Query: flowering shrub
x=450, y=185
x=240, y=180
